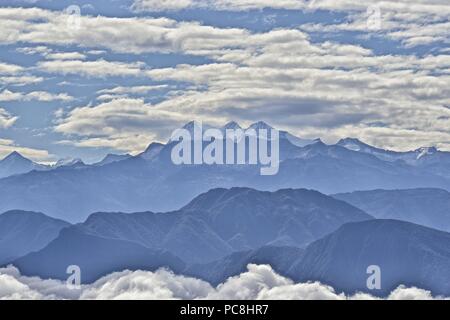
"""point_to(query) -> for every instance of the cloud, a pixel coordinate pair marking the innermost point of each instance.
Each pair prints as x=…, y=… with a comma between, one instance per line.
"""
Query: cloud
x=6, y=119
x=127, y=124
x=20, y=80
x=99, y=68
x=260, y=282
x=147, y=34
x=416, y=22
x=65, y=56
x=132, y=90
x=7, y=95
x=164, y=5
x=312, y=88
x=228, y=5
x=15, y=74
x=122, y=92
x=6, y=68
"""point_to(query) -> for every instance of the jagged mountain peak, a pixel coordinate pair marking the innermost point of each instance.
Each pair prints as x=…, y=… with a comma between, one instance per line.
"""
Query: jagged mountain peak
x=67, y=162
x=14, y=156
x=232, y=125
x=260, y=125
x=353, y=144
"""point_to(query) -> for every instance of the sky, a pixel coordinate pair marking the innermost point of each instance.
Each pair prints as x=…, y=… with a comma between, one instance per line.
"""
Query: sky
x=85, y=78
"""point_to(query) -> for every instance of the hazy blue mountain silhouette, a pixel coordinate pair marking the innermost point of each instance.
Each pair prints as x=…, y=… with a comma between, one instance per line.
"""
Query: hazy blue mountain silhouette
x=110, y=158
x=407, y=254
x=216, y=272
x=22, y=232
x=426, y=157
x=96, y=257
x=428, y=207
x=220, y=232
x=211, y=227
x=15, y=163
x=151, y=181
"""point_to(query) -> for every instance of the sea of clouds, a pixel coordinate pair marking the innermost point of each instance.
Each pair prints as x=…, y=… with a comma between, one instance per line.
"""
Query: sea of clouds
x=259, y=282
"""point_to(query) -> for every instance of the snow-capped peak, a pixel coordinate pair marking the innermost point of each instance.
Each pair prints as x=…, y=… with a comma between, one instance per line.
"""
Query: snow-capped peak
x=152, y=151
x=351, y=144
x=260, y=125
x=65, y=162
x=232, y=125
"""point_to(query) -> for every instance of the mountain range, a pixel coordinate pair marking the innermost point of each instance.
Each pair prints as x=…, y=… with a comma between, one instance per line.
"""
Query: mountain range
x=148, y=181
x=372, y=207
x=15, y=163
x=22, y=232
x=427, y=207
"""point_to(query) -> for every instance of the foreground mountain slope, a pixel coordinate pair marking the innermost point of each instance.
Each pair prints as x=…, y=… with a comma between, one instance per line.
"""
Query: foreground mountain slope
x=95, y=256
x=428, y=207
x=406, y=253
x=22, y=232
x=287, y=217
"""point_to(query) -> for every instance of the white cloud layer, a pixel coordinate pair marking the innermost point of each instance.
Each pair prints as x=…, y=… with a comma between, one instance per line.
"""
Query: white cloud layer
x=314, y=89
x=8, y=95
x=260, y=282
x=6, y=119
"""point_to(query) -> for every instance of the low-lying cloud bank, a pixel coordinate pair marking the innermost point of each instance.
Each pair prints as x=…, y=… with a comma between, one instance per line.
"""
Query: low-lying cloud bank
x=259, y=282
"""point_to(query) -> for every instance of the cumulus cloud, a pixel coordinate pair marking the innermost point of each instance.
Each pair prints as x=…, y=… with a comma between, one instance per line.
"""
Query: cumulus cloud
x=260, y=282
x=99, y=68
x=164, y=5
x=127, y=124
x=8, y=95
x=122, y=92
x=7, y=68
x=230, y=5
x=414, y=22
x=20, y=80
x=132, y=90
x=312, y=88
x=6, y=119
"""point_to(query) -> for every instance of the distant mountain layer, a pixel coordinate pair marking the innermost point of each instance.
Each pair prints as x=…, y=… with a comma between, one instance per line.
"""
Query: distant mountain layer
x=212, y=226
x=110, y=158
x=428, y=207
x=15, y=163
x=23, y=232
x=279, y=258
x=406, y=253
x=150, y=181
